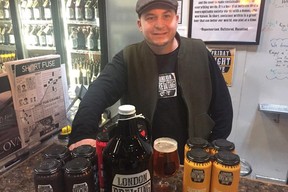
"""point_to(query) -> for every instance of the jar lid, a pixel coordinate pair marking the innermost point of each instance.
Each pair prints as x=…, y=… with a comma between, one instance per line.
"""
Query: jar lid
x=84, y=151
x=198, y=155
x=223, y=144
x=227, y=158
x=103, y=136
x=57, y=151
x=77, y=165
x=126, y=110
x=197, y=142
x=48, y=167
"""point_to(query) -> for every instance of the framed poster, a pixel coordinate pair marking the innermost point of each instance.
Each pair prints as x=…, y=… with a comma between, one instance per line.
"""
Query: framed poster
x=226, y=21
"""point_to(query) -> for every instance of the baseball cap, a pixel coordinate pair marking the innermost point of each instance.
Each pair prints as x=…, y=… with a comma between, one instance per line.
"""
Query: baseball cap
x=143, y=5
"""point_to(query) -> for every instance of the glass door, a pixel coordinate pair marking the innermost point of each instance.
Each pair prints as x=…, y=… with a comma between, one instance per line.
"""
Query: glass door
x=82, y=39
x=7, y=38
x=36, y=27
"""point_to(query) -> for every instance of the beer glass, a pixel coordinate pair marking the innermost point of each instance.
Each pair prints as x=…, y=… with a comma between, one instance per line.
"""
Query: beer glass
x=165, y=164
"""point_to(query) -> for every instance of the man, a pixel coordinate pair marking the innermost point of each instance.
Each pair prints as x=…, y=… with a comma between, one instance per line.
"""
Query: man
x=173, y=81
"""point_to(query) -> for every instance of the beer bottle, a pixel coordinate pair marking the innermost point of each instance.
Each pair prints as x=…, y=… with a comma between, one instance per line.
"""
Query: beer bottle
x=128, y=157
x=47, y=9
x=11, y=36
x=6, y=10
x=89, y=11
x=79, y=10
x=70, y=8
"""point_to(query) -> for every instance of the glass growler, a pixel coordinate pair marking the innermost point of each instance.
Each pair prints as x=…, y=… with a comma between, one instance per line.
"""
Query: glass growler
x=128, y=157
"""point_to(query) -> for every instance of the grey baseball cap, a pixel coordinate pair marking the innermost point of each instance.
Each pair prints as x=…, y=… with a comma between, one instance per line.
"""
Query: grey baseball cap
x=143, y=5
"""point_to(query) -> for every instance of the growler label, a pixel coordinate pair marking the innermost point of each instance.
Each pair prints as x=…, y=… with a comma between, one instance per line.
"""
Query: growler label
x=197, y=175
x=136, y=182
x=225, y=178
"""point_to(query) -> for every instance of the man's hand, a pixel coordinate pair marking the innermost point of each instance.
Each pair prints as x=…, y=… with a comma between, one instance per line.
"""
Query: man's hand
x=91, y=142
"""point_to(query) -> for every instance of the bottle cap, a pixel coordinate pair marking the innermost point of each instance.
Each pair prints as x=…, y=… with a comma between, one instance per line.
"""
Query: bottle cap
x=126, y=110
x=77, y=165
x=223, y=144
x=198, y=156
x=197, y=142
x=227, y=158
x=47, y=167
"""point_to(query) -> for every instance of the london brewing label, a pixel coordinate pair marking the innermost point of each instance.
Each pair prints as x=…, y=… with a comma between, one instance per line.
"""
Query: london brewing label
x=139, y=182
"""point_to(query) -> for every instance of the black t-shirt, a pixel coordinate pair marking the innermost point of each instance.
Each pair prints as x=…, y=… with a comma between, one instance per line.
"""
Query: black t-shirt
x=170, y=119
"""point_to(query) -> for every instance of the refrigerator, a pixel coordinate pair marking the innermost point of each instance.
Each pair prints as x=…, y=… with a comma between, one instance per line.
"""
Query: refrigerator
x=7, y=39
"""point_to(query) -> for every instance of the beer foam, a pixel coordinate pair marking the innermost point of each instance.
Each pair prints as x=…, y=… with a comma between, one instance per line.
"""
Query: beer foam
x=165, y=145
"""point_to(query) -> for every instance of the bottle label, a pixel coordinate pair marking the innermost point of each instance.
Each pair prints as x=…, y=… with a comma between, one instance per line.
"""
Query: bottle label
x=45, y=188
x=225, y=178
x=80, y=187
x=136, y=182
x=198, y=175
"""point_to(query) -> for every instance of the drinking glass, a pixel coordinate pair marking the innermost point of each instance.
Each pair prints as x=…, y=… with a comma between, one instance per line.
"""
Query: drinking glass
x=165, y=164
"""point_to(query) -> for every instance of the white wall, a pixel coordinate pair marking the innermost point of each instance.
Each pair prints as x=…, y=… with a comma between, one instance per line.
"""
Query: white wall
x=258, y=137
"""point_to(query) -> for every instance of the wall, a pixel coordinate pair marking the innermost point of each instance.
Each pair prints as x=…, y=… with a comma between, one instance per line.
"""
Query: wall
x=258, y=138
x=261, y=76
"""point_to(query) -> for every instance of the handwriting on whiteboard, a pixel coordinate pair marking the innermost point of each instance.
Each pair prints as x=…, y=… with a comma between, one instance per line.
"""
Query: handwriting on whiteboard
x=278, y=3
x=279, y=51
x=275, y=25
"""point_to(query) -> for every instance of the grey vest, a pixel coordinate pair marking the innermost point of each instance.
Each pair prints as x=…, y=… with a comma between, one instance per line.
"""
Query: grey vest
x=193, y=79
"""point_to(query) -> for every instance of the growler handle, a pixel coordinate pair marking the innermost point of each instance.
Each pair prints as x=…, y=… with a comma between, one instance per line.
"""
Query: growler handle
x=145, y=133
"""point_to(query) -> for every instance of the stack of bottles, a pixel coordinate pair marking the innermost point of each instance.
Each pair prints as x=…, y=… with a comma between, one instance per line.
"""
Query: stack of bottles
x=210, y=167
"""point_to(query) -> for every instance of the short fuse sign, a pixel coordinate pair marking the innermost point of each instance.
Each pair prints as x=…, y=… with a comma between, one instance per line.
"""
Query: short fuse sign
x=224, y=58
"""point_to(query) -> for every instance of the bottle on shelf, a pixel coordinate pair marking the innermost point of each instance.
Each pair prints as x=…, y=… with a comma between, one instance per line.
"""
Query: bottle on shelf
x=29, y=10
x=11, y=35
x=1, y=10
x=6, y=10
x=70, y=9
x=81, y=39
x=96, y=12
x=37, y=10
x=6, y=35
x=89, y=11
x=49, y=35
x=1, y=35
x=34, y=40
x=79, y=10
x=47, y=9
x=73, y=38
x=42, y=36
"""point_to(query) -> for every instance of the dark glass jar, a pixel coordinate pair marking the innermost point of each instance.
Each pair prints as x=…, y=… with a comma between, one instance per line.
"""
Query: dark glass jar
x=78, y=175
x=48, y=176
x=88, y=152
x=59, y=152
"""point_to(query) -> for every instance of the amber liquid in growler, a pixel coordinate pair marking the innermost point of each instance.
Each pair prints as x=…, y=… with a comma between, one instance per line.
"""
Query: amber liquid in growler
x=128, y=157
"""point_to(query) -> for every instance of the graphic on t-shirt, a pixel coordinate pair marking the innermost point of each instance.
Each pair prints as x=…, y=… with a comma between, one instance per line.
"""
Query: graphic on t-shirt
x=167, y=85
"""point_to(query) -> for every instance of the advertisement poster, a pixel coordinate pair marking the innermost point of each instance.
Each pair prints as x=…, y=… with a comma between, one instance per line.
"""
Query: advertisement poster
x=225, y=58
x=221, y=21
x=37, y=92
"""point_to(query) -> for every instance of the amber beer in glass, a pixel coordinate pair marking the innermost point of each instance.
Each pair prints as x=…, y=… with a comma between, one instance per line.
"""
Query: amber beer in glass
x=165, y=163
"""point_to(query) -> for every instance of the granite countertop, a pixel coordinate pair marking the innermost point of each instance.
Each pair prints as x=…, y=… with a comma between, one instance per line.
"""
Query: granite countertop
x=20, y=179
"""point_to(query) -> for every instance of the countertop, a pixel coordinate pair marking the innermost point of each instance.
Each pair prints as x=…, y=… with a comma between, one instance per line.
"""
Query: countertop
x=20, y=179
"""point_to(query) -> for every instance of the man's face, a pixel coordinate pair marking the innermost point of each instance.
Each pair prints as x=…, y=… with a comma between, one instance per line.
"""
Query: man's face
x=159, y=27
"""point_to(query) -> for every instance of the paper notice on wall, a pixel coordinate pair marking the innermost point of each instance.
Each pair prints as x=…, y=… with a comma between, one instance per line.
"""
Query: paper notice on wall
x=38, y=96
x=225, y=58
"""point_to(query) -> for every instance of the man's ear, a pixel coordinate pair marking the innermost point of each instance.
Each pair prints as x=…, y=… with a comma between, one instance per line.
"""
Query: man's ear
x=139, y=25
